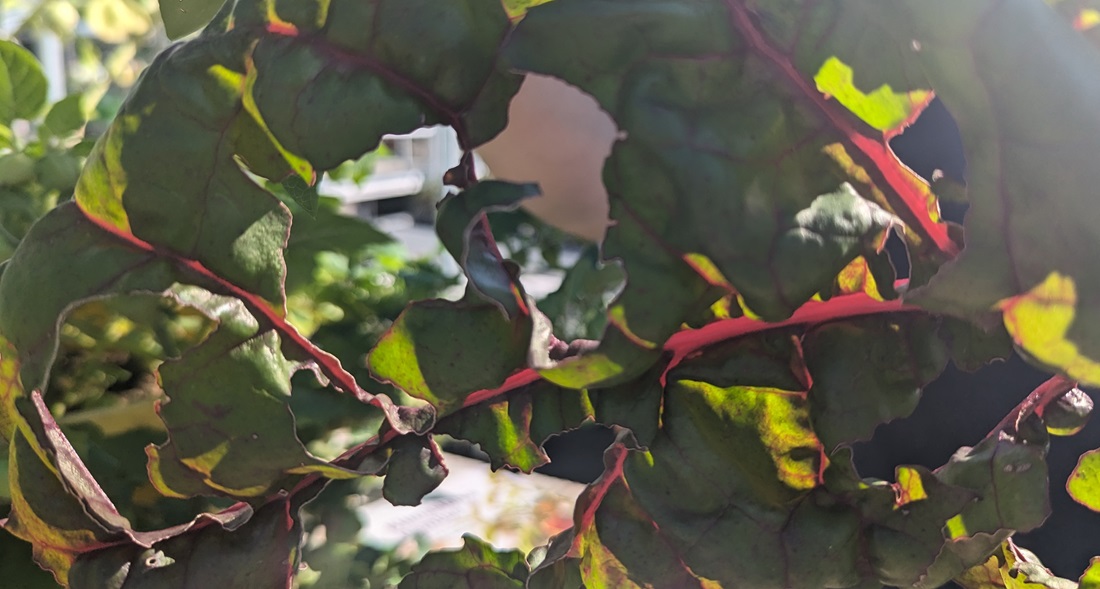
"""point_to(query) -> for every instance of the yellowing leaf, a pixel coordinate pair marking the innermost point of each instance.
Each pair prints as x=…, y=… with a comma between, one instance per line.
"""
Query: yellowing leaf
x=883, y=108
x=1039, y=320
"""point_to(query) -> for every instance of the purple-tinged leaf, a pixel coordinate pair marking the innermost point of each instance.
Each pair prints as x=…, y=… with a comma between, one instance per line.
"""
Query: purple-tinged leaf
x=63, y=512
x=631, y=529
x=464, y=230
x=708, y=167
x=261, y=552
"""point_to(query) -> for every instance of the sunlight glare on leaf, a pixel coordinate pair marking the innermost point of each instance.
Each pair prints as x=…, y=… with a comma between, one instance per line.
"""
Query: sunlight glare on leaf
x=883, y=108
x=1039, y=321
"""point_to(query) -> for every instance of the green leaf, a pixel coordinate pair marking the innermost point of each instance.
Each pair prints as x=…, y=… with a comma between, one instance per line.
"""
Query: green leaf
x=305, y=195
x=642, y=524
x=183, y=17
x=1090, y=579
x=854, y=392
x=1010, y=477
x=883, y=108
x=206, y=209
x=752, y=209
x=22, y=83
x=464, y=230
x=474, y=566
x=1084, y=482
x=326, y=230
x=1012, y=567
x=991, y=468
x=19, y=567
x=16, y=169
x=231, y=423
x=578, y=309
x=415, y=469
x=512, y=429
x=441, y=351
x=68, y=115
x=233, y=549
x=517, y=8
x=1015, y=255
x=332, y=75
x=81, y=253
x=58, y=171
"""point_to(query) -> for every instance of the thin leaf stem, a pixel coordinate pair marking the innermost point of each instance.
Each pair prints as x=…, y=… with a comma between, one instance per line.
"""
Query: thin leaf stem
x=1048, y=392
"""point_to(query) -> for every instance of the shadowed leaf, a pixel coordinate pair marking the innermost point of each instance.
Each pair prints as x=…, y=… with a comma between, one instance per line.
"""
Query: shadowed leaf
x=474, y=566
x=415, y=469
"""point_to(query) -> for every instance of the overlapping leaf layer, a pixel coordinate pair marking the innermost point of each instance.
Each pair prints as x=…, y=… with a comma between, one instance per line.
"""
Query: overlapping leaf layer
x=758, y=335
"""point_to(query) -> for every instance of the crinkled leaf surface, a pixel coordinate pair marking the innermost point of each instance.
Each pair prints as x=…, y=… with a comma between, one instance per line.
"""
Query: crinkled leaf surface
x=1030, y=142
x=752, y=174
x=79, y=536
x=229, y=421
x=474, y=566
x=342, y=55
x=511, y=429
x=641, y=526
x=206, y=210
x=707, y=167
x=55, y=503
x=258, y=552
x=778, y=499
x=87, y=262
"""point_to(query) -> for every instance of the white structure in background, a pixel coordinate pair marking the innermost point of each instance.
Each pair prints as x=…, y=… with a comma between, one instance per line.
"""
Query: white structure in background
x=415, y=168
x=507, y=509
x=47, y=46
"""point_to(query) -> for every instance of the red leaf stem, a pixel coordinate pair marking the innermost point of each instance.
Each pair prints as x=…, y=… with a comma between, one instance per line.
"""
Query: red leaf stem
x=1048, y=392
x=883, y=166
x=328, y=364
